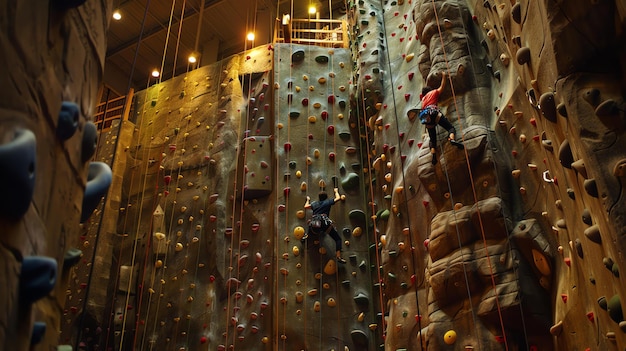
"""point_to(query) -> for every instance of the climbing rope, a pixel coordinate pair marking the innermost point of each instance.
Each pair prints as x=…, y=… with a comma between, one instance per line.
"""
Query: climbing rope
x=472, y=183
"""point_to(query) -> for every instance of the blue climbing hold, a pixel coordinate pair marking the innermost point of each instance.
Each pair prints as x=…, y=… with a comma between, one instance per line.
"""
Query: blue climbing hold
x=90, y=141
x=98, y=182
x=39, y=330
x=17, y=178
x=37, y=279
x=68, y=120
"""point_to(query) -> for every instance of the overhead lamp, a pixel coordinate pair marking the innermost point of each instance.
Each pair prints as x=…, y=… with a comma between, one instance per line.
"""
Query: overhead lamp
x=155, y=73
x=312, y=10
x=192, y=58
x=250, y=36
x=117, y=15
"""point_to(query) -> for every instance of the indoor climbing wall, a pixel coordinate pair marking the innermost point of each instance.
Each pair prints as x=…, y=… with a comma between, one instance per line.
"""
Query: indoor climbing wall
x=320, y=303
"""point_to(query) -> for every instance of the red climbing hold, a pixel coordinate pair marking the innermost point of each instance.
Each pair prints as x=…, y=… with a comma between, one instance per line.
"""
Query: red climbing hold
x=281, y=208
x=590, y=316
x=286, y=191
x=331, y=99
x=410, y=142
x=305, y=102
x=331, y=156
x=331, y=130
x=499, y=339
x=401, y=135
x=255, y=227
x=287, y=147
x=203, y=340
x=407, y=97
x=167, y=179
x=411, y=74
x=425, y=203
x=413, y=279
x=324, y=115
x=172, y=147
x=568, y=261
x=564, y=298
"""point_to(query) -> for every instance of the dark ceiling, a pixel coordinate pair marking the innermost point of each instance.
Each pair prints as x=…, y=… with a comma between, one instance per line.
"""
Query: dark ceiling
x=136, y=46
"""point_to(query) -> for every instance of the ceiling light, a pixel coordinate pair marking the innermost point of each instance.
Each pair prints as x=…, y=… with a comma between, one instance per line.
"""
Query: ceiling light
x=312, y=10
x=192, y=58
x=250, y=36
x=117, y=15
x=155, y=73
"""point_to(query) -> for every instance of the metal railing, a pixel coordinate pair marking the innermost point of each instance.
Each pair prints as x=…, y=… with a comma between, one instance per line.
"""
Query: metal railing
x=109, y=111
x=319, y=32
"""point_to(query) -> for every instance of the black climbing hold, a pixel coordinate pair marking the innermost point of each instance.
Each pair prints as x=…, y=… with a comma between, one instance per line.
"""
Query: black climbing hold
x=586, y=216
x=357, y=216
x=67, y=4
x=321, y=59
x=593, y=233
x=608, y=262
x=37, y=278
x=98, y=181
x=579, y=248
x=562, y=109
x=292, y=164
x=297, y=56
x=90, y=141
x=602, y=302
x=17, y=179
x=68, y=120
x=353, y=258
x=565, y=154
x=486, y=4
x=615, y=270
x=345, y=283
x=355, y=166
x=294, y=114
x=607, y=108
x=497, y=75
x=548, y=106
x=489, y=68
x=361, y=299
x=345, y=136
x=591, y=187
x=39, y=330
x=592, y=96
x=516, y=13
x=351, y=182
x=71, y=257
x=346, y=231
x=359, y=338
x=342, y=104
x=571, y=193
x=523, y=55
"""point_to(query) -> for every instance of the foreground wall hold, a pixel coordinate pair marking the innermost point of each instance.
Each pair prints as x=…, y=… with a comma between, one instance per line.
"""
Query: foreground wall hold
x=37, y=278
x=17, y=179
x=39, y=330
x=68, y=120
x=98, y=182
x=90, y=141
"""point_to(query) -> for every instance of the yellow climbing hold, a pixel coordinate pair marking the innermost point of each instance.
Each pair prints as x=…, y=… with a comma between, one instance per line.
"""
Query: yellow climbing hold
x=295, y=250
x=303, y=186
x=298, y=174
x=449, y=337
x=322, y=183
x=330, y=268
x=300, y=214
x=383, y=239
x=298, y=232
x=279, y=126
x=361, y=317
x=410, y=57
x=316, y=153
x=331, y=302
x=356, y=232
x=317, y=306
x=312, y=119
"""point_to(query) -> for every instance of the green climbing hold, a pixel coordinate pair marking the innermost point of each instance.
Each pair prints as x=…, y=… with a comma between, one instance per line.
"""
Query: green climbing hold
x=384, y=215
x=614, y=307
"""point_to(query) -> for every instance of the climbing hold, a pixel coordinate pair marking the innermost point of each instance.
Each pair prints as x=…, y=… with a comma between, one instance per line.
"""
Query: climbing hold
x=548, y=106
x=331, y=302
x=98, y=182
x=602, y=302
x=330, y=268
x=321, y=80
x=67, y=122
x=591, y=187
x=17, y=179
x=298, y=232
x=541, y=263
x=523, y=55
x=579, y=166
x=586, y=217
x=297, y=55
x=39, y=330
x=579, y=248
x=71, y=257
x=449, y=337
x=351, y=182
x=361, y=299
x=607, y=108
x=317, y=306
x=619, y=170
x=89, y=142
x=37, y=278
x=557, y=328
x=516, y=13
x=565, y=154
x=321, y=59
x=614, y=307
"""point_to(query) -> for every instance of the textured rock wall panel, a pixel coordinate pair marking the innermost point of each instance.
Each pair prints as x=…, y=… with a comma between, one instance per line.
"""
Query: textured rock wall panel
x=52, y=60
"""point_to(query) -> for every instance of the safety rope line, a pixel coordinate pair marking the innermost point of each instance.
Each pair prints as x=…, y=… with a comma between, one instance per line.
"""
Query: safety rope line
x=496, y=173
x=180, y=28
x=404, y=192
x=493, y=282
x=167, y=39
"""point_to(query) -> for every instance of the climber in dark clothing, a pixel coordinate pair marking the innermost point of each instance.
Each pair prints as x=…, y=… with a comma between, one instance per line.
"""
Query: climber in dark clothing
x=431, y=116
x=320, y=223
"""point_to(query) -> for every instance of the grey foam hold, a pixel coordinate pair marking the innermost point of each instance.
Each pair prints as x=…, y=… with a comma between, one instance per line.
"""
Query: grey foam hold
x=359, y=338
x=67, y=123
x=90, y=141
x=17, y=179
x=579, y=166
x=579, y=248
x=561, y=109
x=523, y=55
x=592, y=96
x=37, y=278
x=607, y=108
x=98, y=182
x=591, y=187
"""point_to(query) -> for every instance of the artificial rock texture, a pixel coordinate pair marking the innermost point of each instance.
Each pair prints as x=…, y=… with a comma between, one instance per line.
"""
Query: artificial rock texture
x=49, y=56
x=513, y=242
